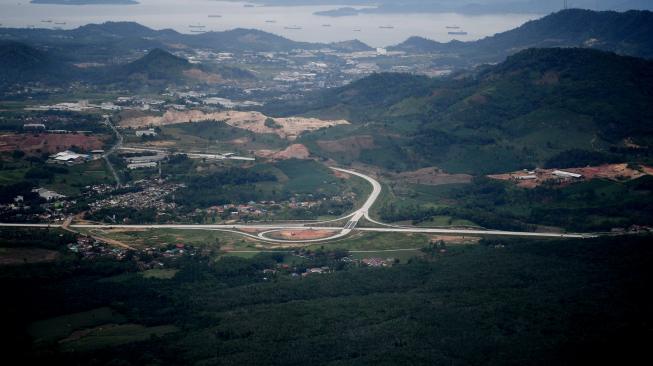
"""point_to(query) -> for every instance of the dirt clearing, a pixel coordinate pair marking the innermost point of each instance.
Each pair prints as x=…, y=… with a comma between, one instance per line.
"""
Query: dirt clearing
x=432, y=177
x=49, y=143
x=288, y=128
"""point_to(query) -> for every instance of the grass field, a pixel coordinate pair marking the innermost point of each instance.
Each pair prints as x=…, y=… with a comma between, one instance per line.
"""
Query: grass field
x=161, y=274
x=62, y=326
x=110, y=335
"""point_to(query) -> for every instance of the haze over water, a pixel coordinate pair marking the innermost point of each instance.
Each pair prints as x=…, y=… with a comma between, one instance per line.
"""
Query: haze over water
x=159, y=14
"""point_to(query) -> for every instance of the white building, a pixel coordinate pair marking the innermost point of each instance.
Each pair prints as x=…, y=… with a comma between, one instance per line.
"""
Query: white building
x=148, y=132
x=563, y=174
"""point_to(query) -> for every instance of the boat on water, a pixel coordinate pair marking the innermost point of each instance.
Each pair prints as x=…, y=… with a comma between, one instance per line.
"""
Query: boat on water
x=326, y=25
x=386, y=27
x=270, y=21
x=215, y=16
x=461, y=33
x=60, y=23
x=452, y=27
x=197, y=26
x=293, y=28
x=197, y=31
x=356, y=30
x=46, y=21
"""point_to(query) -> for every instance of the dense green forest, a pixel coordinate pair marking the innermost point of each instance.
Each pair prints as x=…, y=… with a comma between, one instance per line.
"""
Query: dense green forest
x=502, y=302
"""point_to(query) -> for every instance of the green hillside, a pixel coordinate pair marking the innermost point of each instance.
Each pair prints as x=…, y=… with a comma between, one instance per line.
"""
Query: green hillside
x=538, y=105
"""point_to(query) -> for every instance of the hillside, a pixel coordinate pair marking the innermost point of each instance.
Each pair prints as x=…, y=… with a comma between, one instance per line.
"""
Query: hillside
x=160, y=68
x=20, y=62
x=624, y=33
x=539, y=105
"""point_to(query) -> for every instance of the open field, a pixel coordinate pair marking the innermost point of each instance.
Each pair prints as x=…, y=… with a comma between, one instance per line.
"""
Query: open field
x=13, y=256
x=62, y=326
x=110, y=335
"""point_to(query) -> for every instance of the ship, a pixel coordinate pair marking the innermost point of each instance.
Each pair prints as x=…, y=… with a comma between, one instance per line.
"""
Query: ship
x=356, y=30
x=46, y=21
x=215, y=16
x=60, y=23
x=460, y=33
x=294, y=27
x=326, y=25
x=197, y=26
x=270, y=21
x=386, y=27
x=197, y=31
x=452, y=27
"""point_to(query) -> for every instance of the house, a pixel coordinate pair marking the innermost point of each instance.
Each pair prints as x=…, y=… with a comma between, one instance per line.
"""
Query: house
x=148, y=132
x=133, y=166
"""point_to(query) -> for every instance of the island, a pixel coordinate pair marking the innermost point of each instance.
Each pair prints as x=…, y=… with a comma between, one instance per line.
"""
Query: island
x=85, y=2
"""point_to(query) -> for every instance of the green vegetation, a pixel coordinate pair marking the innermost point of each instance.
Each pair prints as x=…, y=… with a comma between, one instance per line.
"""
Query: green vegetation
x=597, y=205
x=539, y=107
x=60, y=327
x=501, y=302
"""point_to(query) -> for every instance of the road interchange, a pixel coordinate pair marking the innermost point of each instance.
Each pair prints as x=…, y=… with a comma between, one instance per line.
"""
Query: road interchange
x=339, y=232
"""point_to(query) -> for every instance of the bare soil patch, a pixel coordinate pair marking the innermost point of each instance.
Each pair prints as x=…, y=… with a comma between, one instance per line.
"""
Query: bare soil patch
x=50, y=143
x=15, y=256
x=351, y=145
x=295, y=151
x=616, y=172
x=302, y=234
x=289, y=127
x=432, y=177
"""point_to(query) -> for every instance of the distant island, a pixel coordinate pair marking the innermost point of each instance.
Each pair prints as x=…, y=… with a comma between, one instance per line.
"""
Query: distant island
x=85, y=2
x=340, y=12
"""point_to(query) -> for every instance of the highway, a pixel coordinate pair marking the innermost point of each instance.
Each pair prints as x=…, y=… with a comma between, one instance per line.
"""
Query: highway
x=115, y=147
x=339, y=231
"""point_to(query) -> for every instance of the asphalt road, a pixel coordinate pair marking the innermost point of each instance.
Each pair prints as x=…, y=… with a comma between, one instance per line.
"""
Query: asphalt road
x=340, y=232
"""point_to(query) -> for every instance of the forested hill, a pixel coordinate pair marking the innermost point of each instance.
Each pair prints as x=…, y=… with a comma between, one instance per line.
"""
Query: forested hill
x=20, y=62
x=627, y=33
x=538, y=105
x=117, y=38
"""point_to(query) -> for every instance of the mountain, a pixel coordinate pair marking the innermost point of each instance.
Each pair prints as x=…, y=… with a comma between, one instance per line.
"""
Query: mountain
x=98, y=42
x=159, y=68
x=20, y=62
x=563, y=105
x=625, y=33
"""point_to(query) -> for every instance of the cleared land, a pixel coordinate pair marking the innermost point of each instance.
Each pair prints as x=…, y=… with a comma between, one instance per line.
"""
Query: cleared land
x=614, y=172
x=288, y=128
x=50, y=143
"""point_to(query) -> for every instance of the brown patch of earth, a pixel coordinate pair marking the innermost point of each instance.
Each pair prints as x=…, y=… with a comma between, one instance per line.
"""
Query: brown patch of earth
x=432, y=177
x=615, y=172
x=289, y=127
x=14, y=256
x=202, y=76
x=295, y=151
x=300, y=235
x=50, y=143
x=352, y=145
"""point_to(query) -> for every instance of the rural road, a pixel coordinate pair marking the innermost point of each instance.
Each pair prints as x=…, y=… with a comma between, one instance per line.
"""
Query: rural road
x=340, y=232
x=112, y=150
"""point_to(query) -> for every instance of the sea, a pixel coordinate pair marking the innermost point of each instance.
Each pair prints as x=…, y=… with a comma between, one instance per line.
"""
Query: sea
x=298, y=23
